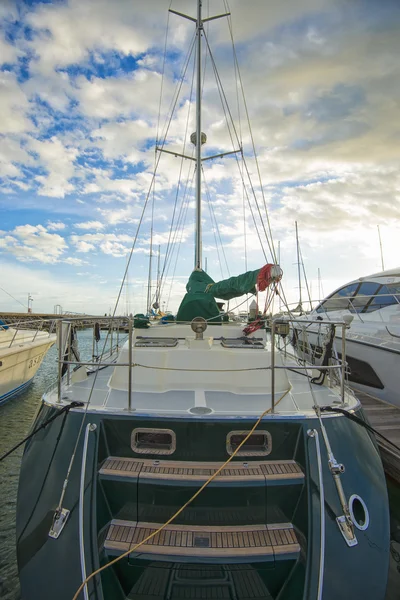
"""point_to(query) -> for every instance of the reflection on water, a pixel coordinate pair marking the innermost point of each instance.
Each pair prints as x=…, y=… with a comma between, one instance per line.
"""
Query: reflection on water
x=15, y=420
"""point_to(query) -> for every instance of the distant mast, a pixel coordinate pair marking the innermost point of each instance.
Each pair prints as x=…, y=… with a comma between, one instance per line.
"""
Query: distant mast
x=380, y=245
x=298, y=268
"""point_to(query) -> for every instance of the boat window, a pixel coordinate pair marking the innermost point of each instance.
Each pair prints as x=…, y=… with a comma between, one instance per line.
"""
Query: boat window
x=386, y=295
x=367, y=290
x=339, y=300
x=258, y=444
x=153, y=441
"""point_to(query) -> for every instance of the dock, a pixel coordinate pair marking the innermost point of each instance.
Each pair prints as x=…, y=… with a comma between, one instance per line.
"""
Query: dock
x=47, y=320
x=385, y=418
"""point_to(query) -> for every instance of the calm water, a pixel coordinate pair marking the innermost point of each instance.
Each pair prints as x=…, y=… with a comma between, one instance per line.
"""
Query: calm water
x=15, y=420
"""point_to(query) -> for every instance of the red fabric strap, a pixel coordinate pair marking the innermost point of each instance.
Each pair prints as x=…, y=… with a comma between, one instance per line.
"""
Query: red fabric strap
x=264, y=277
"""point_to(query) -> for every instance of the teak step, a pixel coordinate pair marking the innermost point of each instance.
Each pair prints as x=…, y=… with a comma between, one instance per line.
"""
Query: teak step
x=185, y=582
x=198, y=472
x=177, y=542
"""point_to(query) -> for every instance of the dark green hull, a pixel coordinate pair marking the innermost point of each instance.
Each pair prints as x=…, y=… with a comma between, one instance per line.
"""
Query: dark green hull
x=50, y=568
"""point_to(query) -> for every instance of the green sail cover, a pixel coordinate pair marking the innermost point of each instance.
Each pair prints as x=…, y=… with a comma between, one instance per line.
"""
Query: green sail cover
x=235, y=286
x=202, y=291
x=197, y=303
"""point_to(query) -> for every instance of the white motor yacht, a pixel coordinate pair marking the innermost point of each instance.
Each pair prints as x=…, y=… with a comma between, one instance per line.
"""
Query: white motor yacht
x=21, y=354
x=373, y=338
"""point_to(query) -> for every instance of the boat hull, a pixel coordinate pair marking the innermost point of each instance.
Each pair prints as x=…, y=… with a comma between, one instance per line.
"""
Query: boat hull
x=52, y=568
x=373, y=368
x=19, y=365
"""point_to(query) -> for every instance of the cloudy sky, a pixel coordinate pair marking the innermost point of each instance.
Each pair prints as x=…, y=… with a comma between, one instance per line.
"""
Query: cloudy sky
x=80, y=115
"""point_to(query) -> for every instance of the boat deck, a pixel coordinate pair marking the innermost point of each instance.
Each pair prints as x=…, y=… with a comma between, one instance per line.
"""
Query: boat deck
x=297, y=400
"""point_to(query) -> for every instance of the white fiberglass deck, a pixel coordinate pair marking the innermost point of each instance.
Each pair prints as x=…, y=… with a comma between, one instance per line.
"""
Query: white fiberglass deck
x=199, y=377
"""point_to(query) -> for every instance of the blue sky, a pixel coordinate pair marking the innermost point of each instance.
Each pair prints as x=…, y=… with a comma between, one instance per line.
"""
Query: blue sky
x=80, y=86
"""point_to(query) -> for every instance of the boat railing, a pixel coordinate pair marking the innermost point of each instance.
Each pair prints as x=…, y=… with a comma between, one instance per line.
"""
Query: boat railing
x=107, y=357
x=34, y=326
x=102, y=353
x=340, y=367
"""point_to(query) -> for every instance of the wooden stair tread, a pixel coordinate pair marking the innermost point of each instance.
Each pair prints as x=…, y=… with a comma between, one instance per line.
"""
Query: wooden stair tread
x=212, y=582
x=200, y=471
x=266, y=541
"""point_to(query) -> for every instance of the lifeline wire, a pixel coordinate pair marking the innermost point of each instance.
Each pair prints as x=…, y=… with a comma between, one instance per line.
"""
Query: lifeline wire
x=63, y=410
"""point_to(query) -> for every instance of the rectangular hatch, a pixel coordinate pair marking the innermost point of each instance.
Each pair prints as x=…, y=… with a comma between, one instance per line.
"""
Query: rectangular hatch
x=153, y=441
x=258, y=444
x=155, y=342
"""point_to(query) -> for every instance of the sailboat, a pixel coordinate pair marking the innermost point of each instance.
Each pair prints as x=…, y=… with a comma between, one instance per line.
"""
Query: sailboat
x=202, y=462
x=21, y=353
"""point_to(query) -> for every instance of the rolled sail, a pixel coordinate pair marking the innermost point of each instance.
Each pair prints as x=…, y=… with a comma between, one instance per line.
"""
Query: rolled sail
x=202, y=291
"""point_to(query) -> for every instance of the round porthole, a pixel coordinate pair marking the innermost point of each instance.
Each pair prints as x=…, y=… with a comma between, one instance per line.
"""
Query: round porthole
x=358, y=512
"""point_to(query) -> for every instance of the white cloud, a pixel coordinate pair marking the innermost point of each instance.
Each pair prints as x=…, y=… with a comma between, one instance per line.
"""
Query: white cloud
x=108, y=243
x=8, y=53
x=137, y=93
x=29, y=243
x=77, y=262
x=123, y=139
x=70, y=31
x=119, y=215
x=90, y=225
x=13, y=105
x=55, y=226
x=58, y=160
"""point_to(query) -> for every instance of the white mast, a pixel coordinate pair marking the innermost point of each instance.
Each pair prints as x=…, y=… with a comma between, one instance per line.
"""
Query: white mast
x=198, y=138
x=199, y=27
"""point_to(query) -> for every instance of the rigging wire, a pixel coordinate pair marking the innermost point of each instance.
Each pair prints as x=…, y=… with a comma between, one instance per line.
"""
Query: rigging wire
x=162, y=73
x=227, y=110
x=180, y=222
x=184, y=216
x=305, y=278
x=63, y=410
x=11, y=296
x=273, y=253
x=168, y=249
x=214, y=223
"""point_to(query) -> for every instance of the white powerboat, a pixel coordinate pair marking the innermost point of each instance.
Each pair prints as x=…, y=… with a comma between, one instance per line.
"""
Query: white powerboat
x=21, y=354
x=372, y=307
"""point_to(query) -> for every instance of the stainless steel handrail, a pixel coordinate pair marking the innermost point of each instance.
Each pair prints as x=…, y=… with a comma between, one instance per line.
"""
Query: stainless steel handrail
x=89, y=427
x=313, y=433
x=342, y=363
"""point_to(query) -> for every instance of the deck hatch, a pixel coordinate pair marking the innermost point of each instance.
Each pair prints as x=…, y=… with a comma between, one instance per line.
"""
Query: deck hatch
x=258, y=444
x=243, y=342
x=153, y=441
x=153, y=342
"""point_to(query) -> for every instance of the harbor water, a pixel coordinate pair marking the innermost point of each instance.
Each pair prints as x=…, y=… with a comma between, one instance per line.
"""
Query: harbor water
x=16, y=417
